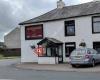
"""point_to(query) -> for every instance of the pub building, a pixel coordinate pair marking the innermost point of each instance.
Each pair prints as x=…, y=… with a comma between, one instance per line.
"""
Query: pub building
x=50, y=38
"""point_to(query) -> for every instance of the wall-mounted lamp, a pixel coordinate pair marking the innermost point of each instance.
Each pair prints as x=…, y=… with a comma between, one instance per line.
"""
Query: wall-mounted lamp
x=32, y=46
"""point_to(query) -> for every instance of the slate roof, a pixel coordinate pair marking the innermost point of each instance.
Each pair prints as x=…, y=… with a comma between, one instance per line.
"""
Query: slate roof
x=51, y=40
x=84, y=9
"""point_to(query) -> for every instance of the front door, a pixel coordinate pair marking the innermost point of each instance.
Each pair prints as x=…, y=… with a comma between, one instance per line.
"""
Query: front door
x=58, y=53
x=69, y=47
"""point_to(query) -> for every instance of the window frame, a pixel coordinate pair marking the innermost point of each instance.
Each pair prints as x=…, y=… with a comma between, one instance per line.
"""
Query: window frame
x=46, y=54
x=93, y=32
x=67, y=26
x=40, y=25
x=69, y=43
x=95, y=45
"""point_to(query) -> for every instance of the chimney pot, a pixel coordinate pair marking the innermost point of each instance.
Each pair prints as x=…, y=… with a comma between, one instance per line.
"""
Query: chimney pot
x=60, y=4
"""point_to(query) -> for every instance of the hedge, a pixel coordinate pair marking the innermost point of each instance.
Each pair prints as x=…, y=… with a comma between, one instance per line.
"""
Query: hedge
x=10, y=52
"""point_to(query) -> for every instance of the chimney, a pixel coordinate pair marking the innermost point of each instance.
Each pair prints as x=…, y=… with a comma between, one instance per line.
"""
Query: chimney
x=60, y=4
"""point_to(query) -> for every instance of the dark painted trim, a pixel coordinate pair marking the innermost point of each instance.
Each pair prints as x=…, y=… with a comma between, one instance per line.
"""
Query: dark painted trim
x=62, y=54
x=34, y=26
x=66, y=35
x=69, y=43
x=94, y=43
x=93, y=27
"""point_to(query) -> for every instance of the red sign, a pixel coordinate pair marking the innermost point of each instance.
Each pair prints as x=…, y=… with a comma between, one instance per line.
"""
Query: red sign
x=34, y=32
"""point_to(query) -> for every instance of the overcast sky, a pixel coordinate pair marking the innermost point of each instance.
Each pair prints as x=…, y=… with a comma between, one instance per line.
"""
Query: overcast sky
x=13, y=12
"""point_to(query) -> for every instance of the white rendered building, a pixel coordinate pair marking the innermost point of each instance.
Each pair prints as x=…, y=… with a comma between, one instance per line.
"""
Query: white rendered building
x=59, y=32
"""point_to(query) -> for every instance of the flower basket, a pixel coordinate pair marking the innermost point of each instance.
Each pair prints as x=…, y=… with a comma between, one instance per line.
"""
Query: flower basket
x=83, y=44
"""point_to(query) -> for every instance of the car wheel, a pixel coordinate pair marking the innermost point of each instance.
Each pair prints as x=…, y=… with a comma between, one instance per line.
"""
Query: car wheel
x=74, y=66
x=93, y=63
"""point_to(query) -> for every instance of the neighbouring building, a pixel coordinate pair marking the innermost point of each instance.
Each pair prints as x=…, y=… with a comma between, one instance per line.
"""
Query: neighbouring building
x=51, y=37
x=12, y=39
x=2, y=45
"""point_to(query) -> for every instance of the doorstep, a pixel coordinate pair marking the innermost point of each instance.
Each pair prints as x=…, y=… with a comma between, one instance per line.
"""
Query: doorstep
x=56, y=67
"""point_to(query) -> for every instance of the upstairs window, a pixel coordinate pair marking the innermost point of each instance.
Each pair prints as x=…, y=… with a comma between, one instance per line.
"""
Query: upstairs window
x=70, y=28
x=34, y=32
x=96, y=24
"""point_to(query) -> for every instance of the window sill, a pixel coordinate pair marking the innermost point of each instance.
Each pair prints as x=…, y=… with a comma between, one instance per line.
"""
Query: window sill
x=69, y=35
x=95, y=32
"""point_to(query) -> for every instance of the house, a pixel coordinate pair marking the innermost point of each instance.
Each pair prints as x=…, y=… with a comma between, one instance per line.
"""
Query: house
x=51, y=37
x=12, y=40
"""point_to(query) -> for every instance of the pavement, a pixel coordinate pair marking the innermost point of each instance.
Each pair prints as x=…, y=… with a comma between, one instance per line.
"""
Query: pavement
x=8, y=71
x=57, y=67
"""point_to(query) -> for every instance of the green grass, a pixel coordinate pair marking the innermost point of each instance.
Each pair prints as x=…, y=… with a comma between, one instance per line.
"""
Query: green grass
x=1, y=56
x=12, y=57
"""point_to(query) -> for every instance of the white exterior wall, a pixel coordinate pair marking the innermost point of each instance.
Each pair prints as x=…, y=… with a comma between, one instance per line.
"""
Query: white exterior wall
x=47, y=60
x=27, y=54
x=55, y=29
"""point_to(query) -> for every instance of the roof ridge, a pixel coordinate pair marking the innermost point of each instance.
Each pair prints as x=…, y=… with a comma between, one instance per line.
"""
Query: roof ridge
x=78, y=10
x=81, y=3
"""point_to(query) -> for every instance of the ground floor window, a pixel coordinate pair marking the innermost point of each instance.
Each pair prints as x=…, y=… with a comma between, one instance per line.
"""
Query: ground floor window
x=69, y=47
x=96, y=46
x=49, y=52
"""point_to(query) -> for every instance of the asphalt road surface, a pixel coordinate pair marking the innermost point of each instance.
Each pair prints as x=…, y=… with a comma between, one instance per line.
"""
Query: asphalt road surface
x=9, y=72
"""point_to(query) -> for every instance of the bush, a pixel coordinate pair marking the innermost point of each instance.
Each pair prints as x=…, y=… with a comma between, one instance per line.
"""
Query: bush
x=10, y=52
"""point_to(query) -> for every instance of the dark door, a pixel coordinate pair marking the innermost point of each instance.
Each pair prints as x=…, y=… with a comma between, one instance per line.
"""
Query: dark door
x=57, y=52
x=69, y=47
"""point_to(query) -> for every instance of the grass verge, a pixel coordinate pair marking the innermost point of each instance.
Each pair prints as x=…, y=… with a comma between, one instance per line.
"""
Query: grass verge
x=12, y=57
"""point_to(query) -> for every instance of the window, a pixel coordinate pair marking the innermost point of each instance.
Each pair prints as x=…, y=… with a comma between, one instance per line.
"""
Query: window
x=69, y=47
x=96, y=46
x=34, y=32
x=70, y=28
x=49, y=52
x=96, y=24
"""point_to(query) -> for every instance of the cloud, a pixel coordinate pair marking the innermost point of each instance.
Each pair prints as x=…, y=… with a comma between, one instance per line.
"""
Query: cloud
x=13, y=12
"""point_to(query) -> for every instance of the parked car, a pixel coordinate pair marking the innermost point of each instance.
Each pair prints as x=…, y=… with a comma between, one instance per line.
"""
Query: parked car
x=84, y=56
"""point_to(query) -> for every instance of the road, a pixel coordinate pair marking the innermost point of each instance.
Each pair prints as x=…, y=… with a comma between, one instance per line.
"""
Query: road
x=8, y=71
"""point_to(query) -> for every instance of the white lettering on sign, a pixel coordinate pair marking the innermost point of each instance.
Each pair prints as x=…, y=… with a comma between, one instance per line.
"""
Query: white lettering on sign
x=70, y=45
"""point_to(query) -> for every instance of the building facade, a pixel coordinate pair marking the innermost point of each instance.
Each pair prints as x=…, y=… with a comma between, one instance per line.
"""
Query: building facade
x=12, y=40
x=60, y=35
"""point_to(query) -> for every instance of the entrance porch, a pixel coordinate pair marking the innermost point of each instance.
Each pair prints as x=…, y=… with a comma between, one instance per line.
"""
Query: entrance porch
x=52, y=52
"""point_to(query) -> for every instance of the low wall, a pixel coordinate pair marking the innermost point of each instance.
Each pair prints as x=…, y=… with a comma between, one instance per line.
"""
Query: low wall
x=47, y=60
x=67, y=59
